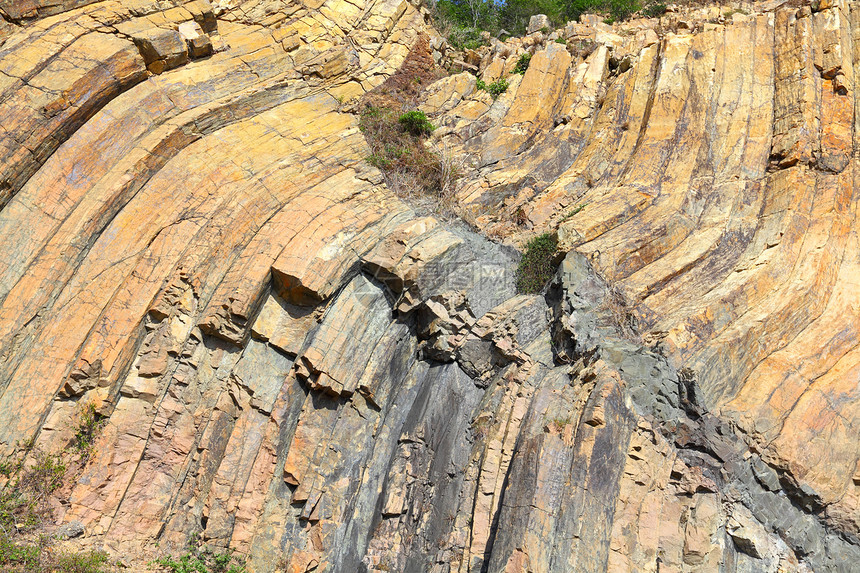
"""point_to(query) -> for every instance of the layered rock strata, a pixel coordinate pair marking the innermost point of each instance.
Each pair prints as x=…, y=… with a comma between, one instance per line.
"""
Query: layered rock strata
x=292, y=361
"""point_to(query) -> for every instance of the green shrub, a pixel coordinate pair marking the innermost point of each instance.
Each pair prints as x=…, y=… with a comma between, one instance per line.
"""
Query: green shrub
x=18, y=511
x=35, y=558
x=83, y=562
x=728, y=14
x=536, y=265
x=14, y=556
x=466, y=20
x=378, y=161
x=24, y=497
x=416, y=123
x=514, y=15
x=495, y=89
x=523, y=63
x=202, y=561
x=560, y=423
x=498, y=87
x=613, y=9
x=45, y=476
x=560, y=41
x=474, y=14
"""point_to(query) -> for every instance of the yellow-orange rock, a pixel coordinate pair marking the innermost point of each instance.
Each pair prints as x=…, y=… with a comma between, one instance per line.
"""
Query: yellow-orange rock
x=295, y=362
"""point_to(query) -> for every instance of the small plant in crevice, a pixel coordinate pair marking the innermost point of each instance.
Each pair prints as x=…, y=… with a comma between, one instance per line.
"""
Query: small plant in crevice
x=495, y=89
x=523, y=63
x=536, y=266
x=575, y=211
x=86, y=432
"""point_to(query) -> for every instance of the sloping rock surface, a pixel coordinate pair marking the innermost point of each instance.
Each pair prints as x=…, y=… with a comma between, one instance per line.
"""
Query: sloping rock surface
x=293, y=361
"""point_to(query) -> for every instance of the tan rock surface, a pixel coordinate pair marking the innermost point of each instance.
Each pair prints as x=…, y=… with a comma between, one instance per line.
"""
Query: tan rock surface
x=293, y=361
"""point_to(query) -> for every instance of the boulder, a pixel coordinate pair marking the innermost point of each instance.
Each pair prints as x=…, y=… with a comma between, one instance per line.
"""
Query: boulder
x=537, y=23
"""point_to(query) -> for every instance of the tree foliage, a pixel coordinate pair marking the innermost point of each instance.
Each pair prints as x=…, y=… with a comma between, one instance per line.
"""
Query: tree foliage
x=465, y=19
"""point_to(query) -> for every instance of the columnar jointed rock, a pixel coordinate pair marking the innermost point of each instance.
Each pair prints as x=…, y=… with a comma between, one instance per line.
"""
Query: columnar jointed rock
x=293, y=362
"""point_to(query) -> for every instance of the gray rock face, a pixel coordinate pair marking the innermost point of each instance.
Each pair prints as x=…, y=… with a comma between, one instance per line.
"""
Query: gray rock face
x=479, y=430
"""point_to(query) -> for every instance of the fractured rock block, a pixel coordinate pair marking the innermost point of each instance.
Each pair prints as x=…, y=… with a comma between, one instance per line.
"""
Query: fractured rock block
x=83, y=378
x=162, y=50
x=328, y=64
x=342, y=345
x=203, y=15
x=198, y=42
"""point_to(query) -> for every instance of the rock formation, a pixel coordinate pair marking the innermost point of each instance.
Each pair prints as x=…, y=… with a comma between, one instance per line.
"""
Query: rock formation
x=294, y=361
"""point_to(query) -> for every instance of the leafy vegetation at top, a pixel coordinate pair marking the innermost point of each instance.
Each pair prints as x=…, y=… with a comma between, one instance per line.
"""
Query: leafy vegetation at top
x=536, y=266
x=464, y=20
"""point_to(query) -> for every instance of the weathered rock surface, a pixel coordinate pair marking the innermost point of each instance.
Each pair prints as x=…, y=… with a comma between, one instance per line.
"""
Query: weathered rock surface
x=294, y=362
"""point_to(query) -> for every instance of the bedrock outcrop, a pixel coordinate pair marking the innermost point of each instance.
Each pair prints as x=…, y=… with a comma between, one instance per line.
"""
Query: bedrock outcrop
x=294, y=361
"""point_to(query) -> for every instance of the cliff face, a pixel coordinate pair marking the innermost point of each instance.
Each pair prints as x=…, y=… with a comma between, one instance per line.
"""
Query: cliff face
x=293, y=361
